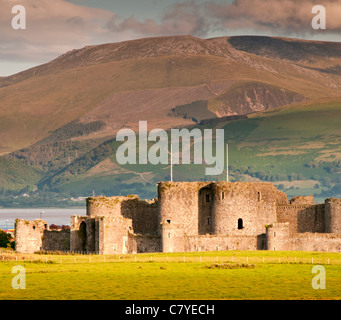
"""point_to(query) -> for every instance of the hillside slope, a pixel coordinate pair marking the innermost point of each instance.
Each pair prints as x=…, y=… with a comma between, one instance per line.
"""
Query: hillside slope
x=59, y=120
x=298, y=145
x=122, y=83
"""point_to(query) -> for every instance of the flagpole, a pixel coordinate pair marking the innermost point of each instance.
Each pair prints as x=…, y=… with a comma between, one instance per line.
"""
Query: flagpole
x=227, y=162
x=171, y=162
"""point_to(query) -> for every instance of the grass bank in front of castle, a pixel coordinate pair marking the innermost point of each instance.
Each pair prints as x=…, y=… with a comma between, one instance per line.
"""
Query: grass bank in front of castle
x=192, y=276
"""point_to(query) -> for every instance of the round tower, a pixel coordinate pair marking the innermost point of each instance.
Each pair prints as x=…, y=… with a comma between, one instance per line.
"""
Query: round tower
x=179, y=213
x=243, y=208
x=277, y=237
x=104, y=206
x=333, y=215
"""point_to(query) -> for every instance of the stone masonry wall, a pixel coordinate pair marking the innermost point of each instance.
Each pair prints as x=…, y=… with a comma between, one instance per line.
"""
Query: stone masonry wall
x=114, y=233
x=329, y=242
x=333, y=215
x=179, y=203
x=144, y=243
x=302, y=217
x=56, y=240
x=29, y=235
x=243, y=208
x=278, y=237
x=144, y=214
x=224, y=242
x=84, y=234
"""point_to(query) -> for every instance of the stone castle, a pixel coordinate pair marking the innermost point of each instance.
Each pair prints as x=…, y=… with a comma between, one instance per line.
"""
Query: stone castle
x=193, y=216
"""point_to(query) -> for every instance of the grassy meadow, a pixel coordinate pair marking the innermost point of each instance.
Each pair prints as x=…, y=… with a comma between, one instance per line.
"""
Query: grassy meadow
x=232, y=275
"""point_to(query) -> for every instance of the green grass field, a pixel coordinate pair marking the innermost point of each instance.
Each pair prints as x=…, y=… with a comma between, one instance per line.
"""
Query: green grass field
x=254, y=275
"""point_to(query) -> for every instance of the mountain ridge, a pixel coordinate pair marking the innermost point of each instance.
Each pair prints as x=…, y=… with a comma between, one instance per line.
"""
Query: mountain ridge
x=58, y=116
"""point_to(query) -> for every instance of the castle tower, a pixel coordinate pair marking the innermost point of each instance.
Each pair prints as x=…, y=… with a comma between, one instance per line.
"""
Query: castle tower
x=277, y=237
x=242, y=208
x=29, y=235
x=179, y=212
x=333, y=215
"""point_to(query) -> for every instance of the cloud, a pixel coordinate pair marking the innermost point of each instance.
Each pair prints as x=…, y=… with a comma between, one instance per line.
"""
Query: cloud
x=282, y=17
x=184, y=18
x=54, y=27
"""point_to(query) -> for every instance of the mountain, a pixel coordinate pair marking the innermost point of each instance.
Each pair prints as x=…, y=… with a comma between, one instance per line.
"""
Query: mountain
x=59, y=120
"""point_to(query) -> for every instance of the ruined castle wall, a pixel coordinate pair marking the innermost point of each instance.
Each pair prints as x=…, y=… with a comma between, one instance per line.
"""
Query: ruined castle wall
x=114, y=234
x=224, y=242
x=205, y=221
x=243, y=208
x=299, y=200
x=104, y=206
x=179, y=203
x=144, y=243
x=144, y=214
x=278, y=237
x=56, y=240
x=317, y=242
x=302, y=217
x=172, y=237
x=179, y=212
x=83, y=234
x=29, y=235
x=333, y=215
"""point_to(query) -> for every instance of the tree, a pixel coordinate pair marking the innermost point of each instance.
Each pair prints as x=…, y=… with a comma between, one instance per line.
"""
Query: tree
x=5, y=239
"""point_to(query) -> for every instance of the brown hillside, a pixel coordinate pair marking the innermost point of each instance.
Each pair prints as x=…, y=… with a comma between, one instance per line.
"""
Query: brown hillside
x=122, y=83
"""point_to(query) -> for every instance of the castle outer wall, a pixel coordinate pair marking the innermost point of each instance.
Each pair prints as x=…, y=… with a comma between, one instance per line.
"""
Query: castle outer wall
x=194, y=216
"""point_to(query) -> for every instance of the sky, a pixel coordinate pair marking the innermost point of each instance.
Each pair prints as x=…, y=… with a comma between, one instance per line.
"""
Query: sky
x=54, y=27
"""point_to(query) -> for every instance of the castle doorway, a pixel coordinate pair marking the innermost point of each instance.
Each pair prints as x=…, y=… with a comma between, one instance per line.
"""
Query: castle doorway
x=83, y=236
x=205, y=202
x=240, y=224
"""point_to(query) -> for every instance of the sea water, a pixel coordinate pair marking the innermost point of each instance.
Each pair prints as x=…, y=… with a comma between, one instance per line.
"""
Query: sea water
x=55, y=216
